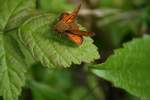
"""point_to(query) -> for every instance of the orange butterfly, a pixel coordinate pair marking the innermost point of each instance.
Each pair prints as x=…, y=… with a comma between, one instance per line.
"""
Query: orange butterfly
x=69, y=27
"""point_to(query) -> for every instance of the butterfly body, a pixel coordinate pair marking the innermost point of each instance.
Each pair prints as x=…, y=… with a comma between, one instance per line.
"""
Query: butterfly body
x=67, y=25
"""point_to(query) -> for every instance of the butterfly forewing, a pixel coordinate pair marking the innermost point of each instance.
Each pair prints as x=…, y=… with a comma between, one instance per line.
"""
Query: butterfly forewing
x=63, y=15
x=71, y=18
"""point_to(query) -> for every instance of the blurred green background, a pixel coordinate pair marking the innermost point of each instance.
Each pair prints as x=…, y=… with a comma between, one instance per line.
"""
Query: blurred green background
x=114, y=22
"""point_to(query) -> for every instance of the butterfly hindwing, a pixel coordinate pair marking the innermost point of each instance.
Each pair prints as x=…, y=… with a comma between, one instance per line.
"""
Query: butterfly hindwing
x=83, y=33
x=75, y=38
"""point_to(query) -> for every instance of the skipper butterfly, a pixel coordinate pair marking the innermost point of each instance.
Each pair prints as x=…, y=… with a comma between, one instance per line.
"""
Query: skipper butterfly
x=68, y=26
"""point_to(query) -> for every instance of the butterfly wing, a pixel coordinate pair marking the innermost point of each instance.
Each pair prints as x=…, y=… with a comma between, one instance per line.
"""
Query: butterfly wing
x=75, y=38
x=71, y=17
x=82, y=33
x=63, y=15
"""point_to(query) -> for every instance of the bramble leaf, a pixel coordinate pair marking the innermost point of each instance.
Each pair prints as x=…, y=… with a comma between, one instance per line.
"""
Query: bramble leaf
x=129, y=68
x=12, y=69
x=12, y=66
x=14, y=12
x=54, y=49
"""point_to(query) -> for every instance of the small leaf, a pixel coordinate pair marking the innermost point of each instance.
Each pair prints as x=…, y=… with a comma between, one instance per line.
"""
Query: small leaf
x=51, y=48
x=14, y=12
x=44, y=92
x=129, y=68
x=12, y=69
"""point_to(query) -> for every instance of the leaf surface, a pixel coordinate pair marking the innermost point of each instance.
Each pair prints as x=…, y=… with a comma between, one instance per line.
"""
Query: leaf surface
x=45, y=92
x=129, y=68
x=54, y=49
x=14, y=12
x=12, y=69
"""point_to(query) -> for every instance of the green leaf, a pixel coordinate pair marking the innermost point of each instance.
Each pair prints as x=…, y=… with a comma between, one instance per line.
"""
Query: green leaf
x=50, y=5
x=54, y=49
x=14, y=12
x=12, y=69
x=44, y=92
x=129, y=68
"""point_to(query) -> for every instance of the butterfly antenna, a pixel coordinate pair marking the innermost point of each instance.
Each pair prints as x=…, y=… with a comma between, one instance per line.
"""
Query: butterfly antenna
x=76, y=10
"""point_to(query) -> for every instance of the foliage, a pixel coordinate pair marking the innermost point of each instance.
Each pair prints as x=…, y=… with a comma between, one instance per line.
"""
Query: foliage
x=35, y=32
x=12, y=73
x=50, y=6
x=129, y=68
x=38, y=63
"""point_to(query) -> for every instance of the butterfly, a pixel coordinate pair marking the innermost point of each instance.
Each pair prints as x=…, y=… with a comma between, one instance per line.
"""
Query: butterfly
x=68, y=26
